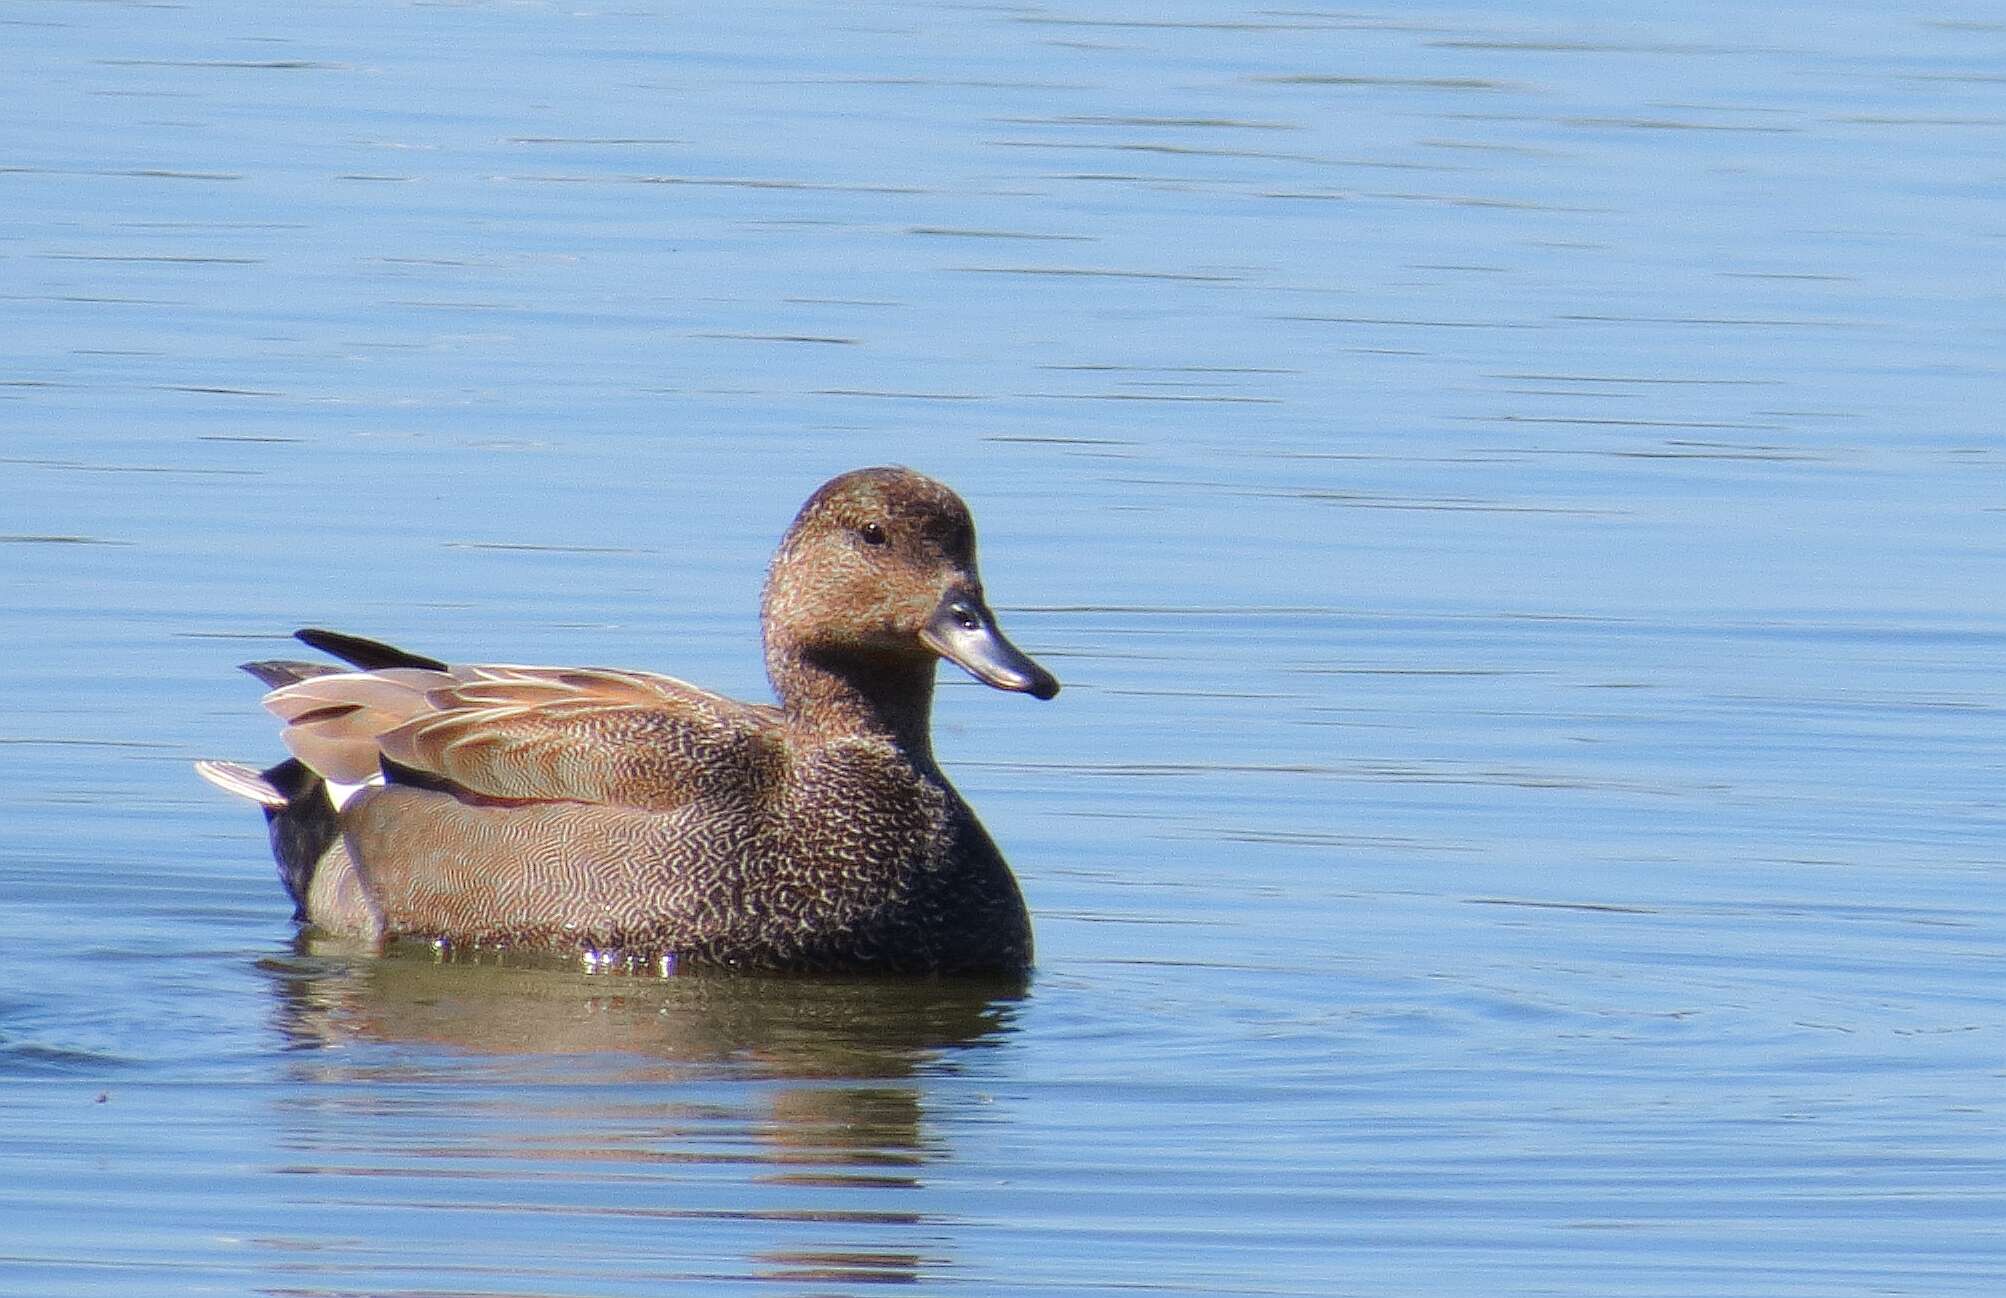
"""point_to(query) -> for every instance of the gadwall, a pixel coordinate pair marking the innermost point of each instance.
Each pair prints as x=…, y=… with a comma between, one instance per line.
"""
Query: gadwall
x=625, y=815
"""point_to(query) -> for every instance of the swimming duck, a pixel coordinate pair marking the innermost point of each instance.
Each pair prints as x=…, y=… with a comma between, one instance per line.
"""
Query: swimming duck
x=623, y=814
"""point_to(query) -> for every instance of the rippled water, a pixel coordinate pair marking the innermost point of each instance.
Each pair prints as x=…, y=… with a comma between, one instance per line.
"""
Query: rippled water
x=1515, y=497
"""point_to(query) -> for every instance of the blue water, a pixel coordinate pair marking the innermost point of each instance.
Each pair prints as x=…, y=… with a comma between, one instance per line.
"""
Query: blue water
x=1515, y=498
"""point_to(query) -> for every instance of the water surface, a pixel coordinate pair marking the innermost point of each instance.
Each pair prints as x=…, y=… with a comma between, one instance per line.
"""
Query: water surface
x=1515, y=499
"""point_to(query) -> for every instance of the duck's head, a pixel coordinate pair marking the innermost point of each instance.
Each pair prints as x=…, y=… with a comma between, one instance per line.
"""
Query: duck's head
x=878, y=571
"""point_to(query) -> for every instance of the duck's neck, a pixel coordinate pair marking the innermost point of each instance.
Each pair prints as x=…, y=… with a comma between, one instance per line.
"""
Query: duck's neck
x=829, y=697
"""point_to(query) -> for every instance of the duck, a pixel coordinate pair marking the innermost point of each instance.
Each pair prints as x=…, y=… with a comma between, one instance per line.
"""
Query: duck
x=622, y=815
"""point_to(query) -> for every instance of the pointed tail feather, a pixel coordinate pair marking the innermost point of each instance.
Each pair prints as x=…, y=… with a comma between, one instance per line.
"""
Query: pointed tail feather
x=276, y=672
x=369, y=655
x=237, y=778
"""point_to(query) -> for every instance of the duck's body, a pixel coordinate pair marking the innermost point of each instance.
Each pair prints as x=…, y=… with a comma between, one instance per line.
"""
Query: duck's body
x=633, y=814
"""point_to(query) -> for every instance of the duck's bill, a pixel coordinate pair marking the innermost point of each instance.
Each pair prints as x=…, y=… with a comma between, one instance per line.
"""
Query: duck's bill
x=963, y=631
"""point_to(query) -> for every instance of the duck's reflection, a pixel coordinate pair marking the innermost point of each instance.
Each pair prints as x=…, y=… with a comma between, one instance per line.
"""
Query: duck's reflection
x=698, y=1023
x=798, y=1105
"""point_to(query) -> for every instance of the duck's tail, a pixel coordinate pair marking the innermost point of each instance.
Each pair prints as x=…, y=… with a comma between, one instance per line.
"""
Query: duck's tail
x=299, y=814
x=299, y=807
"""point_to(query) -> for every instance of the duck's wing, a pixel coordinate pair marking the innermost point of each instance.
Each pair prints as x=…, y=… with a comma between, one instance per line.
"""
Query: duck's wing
x=530, y=734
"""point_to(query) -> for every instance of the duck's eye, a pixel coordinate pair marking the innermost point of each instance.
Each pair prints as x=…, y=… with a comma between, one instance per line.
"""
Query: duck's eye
x=872, y=534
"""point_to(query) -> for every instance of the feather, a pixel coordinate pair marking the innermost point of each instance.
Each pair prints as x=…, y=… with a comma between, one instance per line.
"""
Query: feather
x=237, y=778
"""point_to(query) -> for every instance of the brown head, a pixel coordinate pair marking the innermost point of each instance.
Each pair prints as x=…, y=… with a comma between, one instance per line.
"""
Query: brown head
x=875, y=580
